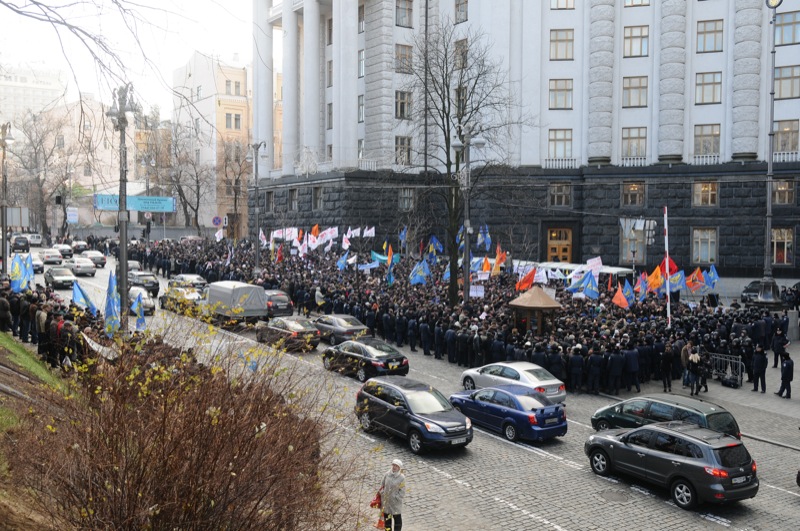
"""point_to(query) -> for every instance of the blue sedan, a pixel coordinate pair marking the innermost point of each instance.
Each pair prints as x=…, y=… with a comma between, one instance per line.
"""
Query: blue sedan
x=516, y=411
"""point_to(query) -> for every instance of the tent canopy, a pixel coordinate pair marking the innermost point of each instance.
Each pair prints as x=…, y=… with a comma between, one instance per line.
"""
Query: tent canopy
x=535, y=299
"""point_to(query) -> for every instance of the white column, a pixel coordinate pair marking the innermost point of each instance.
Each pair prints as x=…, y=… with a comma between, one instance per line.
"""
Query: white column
x=345, y=81
x=311, y=76
x=263, y=91
x=515, y=74
x=290, y=87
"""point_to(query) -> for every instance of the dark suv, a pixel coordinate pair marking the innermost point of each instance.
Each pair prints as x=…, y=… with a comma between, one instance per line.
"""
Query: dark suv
x=413, y=410
x=278, y=303
x=20, y=244
x=639, y=411
x=146, y=280
x=696, y=464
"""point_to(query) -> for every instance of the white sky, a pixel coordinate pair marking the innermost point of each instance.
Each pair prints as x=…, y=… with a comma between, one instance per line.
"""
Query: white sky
x=173, y=30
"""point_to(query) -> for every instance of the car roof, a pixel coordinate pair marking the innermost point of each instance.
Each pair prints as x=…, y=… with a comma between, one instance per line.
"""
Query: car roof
x=519, y=365
x=515, y=389
x=715, y=439
x=141, y=273
x=401, y=382
x=370, y=341
x=701, y=406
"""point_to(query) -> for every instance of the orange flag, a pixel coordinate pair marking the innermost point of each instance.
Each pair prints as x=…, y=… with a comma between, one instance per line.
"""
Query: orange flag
x=655, y=280
x=499, y=260
x=389, y=256
x=609, y=283
x=315, y=230
x=487, y=265
x=526, y=282
x=279, y=258
x=619, y=298
x=300, y=235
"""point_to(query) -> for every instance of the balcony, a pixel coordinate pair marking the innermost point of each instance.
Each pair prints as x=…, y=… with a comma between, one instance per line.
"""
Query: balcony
x=560, y=164
x=633, y=162
x=705, y=160
x=786, y=156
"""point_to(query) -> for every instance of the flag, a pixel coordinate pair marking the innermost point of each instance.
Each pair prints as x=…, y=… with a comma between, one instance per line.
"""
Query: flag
x=389, y=257
x=300, y=235
x=402, y=236
x=487, y=265
x=419, y=273
x=627, y=291
x=389, y=277
x=673, y=268
x=315, y=230
x=437, y=245
x=499, y=260
x=527, y=281
x=590, y=287
x=368, y=232
x=446, y=275
x=460, y=239
x=711, y=277
x=279, y=257
x=329, y=246
x=677, y=281
x=262, y=237
x=219, y=235
x=138, y=309
x=481, y=239
x=345, y=242
x=341, y=263
x=349, y=233
x=112, y=322
x=29, y=273
x=608, y=288
x=487, y=239
x=230, y=255
x=17, y=275
x=655, y=280
x=577, y=284
x=540, y=277
x=620, y=299
x=385, y=243
x=80, y=297
x=696, y=280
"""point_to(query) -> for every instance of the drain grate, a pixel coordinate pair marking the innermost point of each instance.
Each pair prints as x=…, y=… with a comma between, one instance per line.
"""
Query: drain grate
x=614, y=496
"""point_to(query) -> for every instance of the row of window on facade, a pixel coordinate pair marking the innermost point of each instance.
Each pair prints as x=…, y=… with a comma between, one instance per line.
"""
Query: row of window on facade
x=706, y=140
x=405, y=202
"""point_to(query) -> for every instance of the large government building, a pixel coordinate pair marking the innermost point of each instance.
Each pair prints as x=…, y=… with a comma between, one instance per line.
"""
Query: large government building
x=614, y=110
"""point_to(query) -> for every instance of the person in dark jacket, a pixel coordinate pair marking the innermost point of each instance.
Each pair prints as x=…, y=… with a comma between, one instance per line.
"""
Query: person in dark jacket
x=425, y=336
x=370, y=321
x=616, y=365
x=13, y=301
x=779, y=344
x=787, y=375
x=594, y=370
x=665, y=365
x=695, y=370
x=412, y=333
x=401, y=329
x=539, y=356
x=555, y=363
x=631, y=356
x=5, y=313
x=438, y=337
x=575, y=369
x=510, y=353
x=462, y=338
x=760, y=369
x=498, y=349
x=450, y=342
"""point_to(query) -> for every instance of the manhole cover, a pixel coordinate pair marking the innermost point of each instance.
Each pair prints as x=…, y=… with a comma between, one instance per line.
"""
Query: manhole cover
x=614, y=496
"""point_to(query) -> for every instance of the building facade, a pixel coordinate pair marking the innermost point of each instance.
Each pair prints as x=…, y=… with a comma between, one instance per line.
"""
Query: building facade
x=28, y=89
x=638, y=105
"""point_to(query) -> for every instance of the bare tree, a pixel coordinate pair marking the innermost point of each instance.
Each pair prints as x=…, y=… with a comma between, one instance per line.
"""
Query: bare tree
x=235, y=172
x=456, y=82
x=193, y=181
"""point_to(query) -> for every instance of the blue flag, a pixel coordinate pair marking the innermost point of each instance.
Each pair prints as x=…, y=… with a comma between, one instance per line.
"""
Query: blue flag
x=420, y=273
x=112, y=322
x=402, y=236
x=627, y=291
x=138, y=308
x=678, y=281
x=487, y=240
x=80, y=297
x=29, y=273
x=17, y=276
x=390, y=275
x=590, y=287
x=578, y=284
x=437, y=245
x=712, y=277
x=481, y=237
x=446, y=275
x=341, y=263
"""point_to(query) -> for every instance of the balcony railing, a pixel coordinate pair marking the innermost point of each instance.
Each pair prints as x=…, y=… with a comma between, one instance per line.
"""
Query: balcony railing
x=786, y=156
x=705, y=160
x=367, y=164
x=560, y=164
x=630, y=162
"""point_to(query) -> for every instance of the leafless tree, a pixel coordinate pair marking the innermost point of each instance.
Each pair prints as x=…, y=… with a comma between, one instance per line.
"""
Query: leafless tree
x=235, y=172
x=193, y=181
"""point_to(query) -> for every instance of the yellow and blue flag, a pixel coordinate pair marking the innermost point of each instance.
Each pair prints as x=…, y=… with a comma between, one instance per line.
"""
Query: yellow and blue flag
x=138, y=308
x=112, y=322
x=17, y=275
x=341, y=263
x=81, y=298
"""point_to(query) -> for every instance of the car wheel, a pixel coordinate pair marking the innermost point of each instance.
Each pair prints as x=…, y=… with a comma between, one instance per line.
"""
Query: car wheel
x=469, y=383
x=683, y=494
x=366, y=422
x=598, y=459
x=332, y=340
x=415, y=442
x=603, y=424
x=327, y=363
x=510, y=432
x=362, y=375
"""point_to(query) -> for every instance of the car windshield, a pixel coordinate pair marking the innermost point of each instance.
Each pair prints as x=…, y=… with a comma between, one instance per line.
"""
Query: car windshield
x=733, y=456
x=427, y=402
x=723, y=422
x=300, y=326
x=60, y=272
x=147, y=278
x=540, y=374
x=530, y=403
x=381, y=350
x=282, y=299
x=348, y=321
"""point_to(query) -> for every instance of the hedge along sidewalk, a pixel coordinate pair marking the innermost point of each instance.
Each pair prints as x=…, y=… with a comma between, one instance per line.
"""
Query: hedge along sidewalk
x=24, y=358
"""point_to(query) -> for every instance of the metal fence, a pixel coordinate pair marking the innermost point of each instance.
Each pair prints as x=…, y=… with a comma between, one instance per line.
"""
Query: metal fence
x=727, y=366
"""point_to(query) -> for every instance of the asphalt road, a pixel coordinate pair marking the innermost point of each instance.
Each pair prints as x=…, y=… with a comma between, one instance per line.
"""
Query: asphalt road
x=496, y=484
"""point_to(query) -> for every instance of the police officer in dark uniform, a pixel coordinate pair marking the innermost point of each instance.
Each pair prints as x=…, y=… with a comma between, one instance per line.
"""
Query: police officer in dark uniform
x=595, y=368
x=616, y=364
x=760, y=369
x=425, y=336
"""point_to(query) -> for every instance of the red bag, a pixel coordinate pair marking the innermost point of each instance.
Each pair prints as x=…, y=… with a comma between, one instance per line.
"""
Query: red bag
x=376, y=502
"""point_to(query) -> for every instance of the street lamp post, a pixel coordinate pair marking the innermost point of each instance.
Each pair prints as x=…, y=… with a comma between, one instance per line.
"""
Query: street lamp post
x=6, y=139
x=254, y=159
x=465, y=183
x=123, y=103
x=768, y=293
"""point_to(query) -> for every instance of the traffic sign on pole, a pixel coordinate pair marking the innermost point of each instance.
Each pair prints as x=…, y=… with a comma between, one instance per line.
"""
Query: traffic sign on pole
x=217, y=221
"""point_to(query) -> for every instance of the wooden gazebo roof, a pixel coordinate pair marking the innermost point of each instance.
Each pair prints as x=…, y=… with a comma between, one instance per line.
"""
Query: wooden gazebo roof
x=535, y=299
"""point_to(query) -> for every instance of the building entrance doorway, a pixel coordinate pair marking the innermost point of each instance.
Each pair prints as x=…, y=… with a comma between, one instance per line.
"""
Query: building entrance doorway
x=559, y=245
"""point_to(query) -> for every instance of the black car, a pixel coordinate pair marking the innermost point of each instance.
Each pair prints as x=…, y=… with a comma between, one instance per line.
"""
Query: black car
x=750, y=291
x=365, y=357
x=293, y=333
x=278, y=303
x=413, y=410
x=336, y=328
x=20, y=244
x=144, y=279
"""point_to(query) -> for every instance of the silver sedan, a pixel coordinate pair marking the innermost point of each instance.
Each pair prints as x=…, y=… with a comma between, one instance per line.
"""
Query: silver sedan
x=515, y=372
x=80, y=266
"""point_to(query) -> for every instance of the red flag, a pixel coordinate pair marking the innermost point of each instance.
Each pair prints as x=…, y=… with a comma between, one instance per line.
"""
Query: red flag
x=673, y=267
x=527, y=281
x=609, y=283
x=619, y=298
x=315, y=230
x=279, y=257
x=421, y=246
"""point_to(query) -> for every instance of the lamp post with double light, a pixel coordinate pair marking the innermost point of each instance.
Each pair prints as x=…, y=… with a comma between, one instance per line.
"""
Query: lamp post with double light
x=253, y=157
x=123, y=104
x=468, y=139
x=6, y=139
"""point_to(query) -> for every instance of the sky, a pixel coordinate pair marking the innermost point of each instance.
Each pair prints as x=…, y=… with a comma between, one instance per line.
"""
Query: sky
x=169, y=31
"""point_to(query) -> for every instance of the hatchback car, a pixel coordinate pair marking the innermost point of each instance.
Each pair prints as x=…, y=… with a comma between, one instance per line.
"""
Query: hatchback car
x=185, y=279
x=145, y=280
x=292, y=333
x=58, y=277
x=98, y=258
x=336, y=328
x=20, y=244
x=80, y=266
x=51, y=256
x=64, y=249
x=365, y=357
x=515, y=372
x=643, y=410
x=513, y=410
x=278, y=303
x=413, y=410
x=79, y=246
x=148, y=302
x=696, y=464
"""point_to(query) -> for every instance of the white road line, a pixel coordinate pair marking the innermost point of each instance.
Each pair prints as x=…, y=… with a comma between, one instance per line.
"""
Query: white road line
x=534, y=450
x=580, y=424
x=780, y=489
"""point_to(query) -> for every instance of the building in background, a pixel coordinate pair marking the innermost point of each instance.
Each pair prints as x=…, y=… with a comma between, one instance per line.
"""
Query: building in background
x=211, y=137
x=29, y=89
x=636, y=105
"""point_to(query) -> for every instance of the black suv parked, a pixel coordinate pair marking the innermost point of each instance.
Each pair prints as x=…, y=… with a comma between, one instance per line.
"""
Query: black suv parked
x=20, y=244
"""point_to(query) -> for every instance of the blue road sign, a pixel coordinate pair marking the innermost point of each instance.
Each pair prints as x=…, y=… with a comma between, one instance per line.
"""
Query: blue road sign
x=217, y=221
x=135, y=202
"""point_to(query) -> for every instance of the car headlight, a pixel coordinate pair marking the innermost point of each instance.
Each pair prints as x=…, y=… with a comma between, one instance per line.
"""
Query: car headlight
x=469, y=423
x=433, y=428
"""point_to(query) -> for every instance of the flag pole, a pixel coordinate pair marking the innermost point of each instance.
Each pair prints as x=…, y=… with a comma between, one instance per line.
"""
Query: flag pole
x=666, y=268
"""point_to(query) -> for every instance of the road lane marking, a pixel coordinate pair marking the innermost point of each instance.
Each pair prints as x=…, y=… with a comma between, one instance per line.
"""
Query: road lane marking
x=534, y=450
x=579, y=424
x=780, y=489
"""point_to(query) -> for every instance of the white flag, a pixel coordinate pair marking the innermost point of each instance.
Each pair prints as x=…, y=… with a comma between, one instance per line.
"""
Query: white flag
x=345, y=242
x=356, y=233
x=369, y=232
x=353, y=259
x=349, y=233
x=219, y=235
x=262, y=237
x=540, y=277
x=329, y=246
